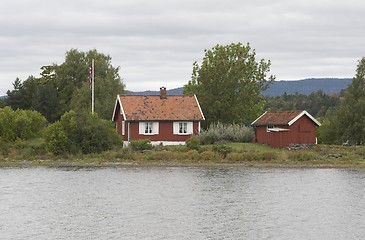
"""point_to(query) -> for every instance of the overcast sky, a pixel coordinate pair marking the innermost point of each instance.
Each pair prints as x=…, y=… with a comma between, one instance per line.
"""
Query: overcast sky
x=156, y=42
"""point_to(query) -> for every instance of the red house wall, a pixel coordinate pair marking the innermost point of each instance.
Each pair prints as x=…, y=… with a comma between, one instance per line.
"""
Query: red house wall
x=303, y=131
x=165, y=131
x=119, y=120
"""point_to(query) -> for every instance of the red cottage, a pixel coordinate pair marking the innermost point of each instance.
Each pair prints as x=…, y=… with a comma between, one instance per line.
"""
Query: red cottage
x=162, y=119
x=280, y=129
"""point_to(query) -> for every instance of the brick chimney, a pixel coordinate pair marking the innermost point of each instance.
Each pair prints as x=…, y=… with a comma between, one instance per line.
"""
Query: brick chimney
x=163, y=93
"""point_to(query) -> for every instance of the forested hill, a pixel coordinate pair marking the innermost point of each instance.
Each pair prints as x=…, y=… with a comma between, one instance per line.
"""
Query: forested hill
x=277, y=88
x=171, y=92
x=307, y=86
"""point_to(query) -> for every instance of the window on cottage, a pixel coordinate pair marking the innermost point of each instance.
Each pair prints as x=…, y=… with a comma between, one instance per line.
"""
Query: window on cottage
x=183, y=127
x=148, y=127
x=268, y=128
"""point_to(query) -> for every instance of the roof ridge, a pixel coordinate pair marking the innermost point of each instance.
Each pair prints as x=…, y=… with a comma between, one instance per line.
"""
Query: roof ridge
x=154, y=95
x=152, y=107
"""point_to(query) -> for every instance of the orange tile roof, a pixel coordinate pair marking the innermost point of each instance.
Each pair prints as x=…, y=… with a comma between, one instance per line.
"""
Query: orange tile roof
x=149, y=108
x=277, y=118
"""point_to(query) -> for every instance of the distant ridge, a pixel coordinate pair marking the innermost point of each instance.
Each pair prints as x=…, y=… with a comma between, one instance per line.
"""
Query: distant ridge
x=307, y=86
x=277, y=88
x=171, y=92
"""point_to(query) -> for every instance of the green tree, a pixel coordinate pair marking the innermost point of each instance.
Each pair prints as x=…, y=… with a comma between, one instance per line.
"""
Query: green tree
x=228, y=84
x=28, y=124
x=108, y=84
x=15, y=97
x=2, y=102
x=46, y=101
x=70, y=76
x=316, y=103
x=20, y=124
x=351, y=114
x=327, y=133
x=7, y=133
x=21, y=97
x=80, y=132
x=56, y=139
x=64, y=87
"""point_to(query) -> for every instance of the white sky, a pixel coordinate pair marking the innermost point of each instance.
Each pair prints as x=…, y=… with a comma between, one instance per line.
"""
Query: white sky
x=156, y=42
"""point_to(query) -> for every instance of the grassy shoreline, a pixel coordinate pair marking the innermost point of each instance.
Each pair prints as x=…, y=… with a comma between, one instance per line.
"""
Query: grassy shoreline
x=240, y=154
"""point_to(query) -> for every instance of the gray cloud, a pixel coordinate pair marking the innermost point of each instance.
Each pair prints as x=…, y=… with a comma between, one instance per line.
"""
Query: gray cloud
x=156, y=42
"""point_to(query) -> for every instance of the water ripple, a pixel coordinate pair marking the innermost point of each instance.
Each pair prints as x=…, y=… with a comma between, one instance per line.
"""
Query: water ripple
x=182, y=203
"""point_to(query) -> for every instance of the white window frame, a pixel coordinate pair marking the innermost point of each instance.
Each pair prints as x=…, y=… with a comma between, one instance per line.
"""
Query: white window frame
x=148, y=128
x=269, y=127
x=123, y=128
x=183, y=128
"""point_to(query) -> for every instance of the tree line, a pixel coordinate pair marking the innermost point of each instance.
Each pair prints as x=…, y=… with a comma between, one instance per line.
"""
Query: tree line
x=316, y=103
x=64, y=87
x=56, y=106
x=228, y=83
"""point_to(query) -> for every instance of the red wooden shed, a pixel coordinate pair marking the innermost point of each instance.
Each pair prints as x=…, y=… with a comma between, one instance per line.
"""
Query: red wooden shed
x=281, y=129
x=169, y=120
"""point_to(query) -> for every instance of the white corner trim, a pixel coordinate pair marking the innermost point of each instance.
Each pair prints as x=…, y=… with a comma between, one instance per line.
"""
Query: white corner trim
x=121, y=108
x=308, y=115
x=201, y=112
x=258, y=118
x=115, y=107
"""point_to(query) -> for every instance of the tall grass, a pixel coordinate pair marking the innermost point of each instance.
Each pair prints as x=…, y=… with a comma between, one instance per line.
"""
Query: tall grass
x=219, y=132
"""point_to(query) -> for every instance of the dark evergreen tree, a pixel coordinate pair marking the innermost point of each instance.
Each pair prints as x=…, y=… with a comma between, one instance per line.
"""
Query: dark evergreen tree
x=46, y=101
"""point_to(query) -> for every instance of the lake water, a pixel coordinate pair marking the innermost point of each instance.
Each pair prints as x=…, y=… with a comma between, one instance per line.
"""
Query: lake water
x=182, y=203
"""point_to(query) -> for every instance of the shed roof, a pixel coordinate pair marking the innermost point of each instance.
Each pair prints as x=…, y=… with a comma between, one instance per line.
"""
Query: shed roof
x=152, y=108
x=282, y=118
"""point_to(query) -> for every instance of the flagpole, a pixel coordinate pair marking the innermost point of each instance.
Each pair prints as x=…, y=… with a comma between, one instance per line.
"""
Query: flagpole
x=92, y=87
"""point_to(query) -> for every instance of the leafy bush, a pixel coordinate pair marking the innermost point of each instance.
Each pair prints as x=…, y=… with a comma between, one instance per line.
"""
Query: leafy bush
x=4, y=147
x=235, y=157
x=222, y=150
x=163, y=156
x=20, y=124
x=126, y=154
x=80, y=132
x=193, y=155
x=242, y=157
x=209, y=156
x=141, y=144
x=227, y=132
x=193, y=143
x=302, y=156
x=56, y=138
x=269, y=156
